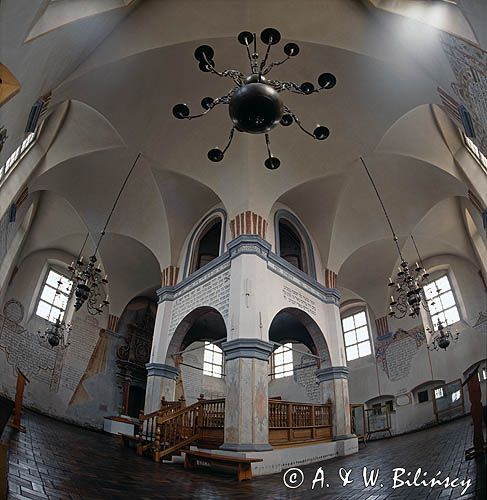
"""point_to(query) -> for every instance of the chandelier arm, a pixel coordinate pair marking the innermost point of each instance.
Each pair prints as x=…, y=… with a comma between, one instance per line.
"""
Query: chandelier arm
x=268, y=145
x=384, y=210
x=220, y=100
x=230, y=138
x=298, y=122
x=237, y=76
x=264, y=61
x=268, y=68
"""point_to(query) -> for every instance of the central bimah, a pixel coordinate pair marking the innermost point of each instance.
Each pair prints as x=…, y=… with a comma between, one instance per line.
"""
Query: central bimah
x=249, y=286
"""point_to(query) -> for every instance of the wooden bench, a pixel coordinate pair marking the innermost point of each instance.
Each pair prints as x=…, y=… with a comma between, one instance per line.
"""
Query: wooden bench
x=244, y=465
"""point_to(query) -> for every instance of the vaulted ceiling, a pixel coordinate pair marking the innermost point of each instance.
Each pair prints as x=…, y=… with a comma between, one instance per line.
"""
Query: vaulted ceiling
x=116, y=72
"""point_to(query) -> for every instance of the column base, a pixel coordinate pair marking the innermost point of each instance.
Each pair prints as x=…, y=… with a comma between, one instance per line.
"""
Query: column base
x=245, y=447
x=347, y=446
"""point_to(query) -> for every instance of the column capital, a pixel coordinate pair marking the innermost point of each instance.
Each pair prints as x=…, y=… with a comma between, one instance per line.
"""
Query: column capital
x=332, y=373
x=247, y=348
x=162, y=370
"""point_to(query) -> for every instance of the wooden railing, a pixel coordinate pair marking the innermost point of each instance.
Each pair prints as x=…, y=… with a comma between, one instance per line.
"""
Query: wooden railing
x=166, y=432
x=291, y=422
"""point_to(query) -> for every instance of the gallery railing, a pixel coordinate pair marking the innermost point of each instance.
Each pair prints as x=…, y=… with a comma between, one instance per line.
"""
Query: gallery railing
x=203, y=423
x=291, y=422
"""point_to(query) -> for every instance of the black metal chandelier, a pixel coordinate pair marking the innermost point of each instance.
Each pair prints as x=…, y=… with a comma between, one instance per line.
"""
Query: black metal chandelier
x=407, y=291
x=56, y=333
x=441, y=338
x=254, y=104
x=88, y=278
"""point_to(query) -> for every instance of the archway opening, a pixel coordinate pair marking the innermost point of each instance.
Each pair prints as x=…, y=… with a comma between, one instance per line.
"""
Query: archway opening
x=196, y=350
x=300, y=349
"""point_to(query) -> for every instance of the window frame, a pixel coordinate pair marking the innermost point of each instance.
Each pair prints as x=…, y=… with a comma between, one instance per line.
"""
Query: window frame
x=286, y=349
x=213, y=349
x=351, y=314
x=69, y=296
x=437, y=297
x=474, y=151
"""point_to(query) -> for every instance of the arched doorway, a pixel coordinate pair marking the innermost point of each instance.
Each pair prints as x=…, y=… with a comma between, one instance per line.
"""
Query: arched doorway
x=195, y=350
x=300, y=349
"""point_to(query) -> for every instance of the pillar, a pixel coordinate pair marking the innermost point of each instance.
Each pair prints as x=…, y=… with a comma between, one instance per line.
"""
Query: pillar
x=247, y=403
x=334, y=386
x=161, y=381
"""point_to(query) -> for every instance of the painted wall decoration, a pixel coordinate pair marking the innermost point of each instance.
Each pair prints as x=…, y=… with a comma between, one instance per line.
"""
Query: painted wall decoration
x=13, y=310
x=24, y=350
x=213, y=292
x=481, y=324
x=395, y=351
x=469, y=64
x=305, y=375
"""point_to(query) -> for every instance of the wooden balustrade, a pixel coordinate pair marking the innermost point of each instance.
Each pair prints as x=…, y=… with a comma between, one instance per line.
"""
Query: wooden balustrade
x=291, y=423
x=176, y=426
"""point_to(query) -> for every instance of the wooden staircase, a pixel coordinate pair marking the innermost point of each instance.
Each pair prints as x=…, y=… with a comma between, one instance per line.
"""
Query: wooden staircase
x=175, y=427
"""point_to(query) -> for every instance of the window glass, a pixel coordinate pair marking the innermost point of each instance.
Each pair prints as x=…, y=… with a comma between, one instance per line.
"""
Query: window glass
x=213, y=360
x=54, y=296
x=356, y=336
x=441, y=302
x=283, y=361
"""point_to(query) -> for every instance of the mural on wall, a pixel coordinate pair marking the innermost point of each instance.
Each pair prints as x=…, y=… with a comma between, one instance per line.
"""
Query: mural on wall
x=24, y=350
x=481, y=324
x=395, y=351
x=469, y=64
x=53, y=366
x=305, y=375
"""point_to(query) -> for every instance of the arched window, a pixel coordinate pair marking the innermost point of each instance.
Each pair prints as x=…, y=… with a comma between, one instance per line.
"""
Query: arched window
x=293, y=243
x=207, y=247
x=291, y=247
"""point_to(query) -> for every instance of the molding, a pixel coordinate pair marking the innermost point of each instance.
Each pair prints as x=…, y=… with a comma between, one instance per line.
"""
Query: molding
x=162, y=370
x=252, y=245
x=245, y=447
x=332, y=373
x=247, y=348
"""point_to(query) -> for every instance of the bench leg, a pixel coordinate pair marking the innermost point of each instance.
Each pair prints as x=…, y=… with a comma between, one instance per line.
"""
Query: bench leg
x=188, y=462
x=244, y=471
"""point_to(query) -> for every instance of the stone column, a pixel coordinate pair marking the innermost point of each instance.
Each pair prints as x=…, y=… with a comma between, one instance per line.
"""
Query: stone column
x=161, y=381
x=246, y=404
x=334, y=386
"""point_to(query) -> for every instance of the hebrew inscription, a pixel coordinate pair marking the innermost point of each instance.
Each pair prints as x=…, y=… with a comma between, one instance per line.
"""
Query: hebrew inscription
x=299, y=300
x=213, y=292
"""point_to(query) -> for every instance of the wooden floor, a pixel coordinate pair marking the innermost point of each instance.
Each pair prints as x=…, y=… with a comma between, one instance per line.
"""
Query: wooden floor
x=59, y=461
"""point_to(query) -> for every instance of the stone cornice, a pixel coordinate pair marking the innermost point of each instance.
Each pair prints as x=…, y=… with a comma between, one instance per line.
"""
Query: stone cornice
x=162, y=370
x=247, y=348
x=332, y=373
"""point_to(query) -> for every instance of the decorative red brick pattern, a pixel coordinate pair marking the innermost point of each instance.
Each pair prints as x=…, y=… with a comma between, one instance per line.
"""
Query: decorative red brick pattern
x=113, y=322
x=382, y=325
x=330, y=279
x=248, y=223
x=170, y=276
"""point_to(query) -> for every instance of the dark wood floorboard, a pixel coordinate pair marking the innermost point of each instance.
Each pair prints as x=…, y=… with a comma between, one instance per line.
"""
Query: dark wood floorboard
x=59, y=461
